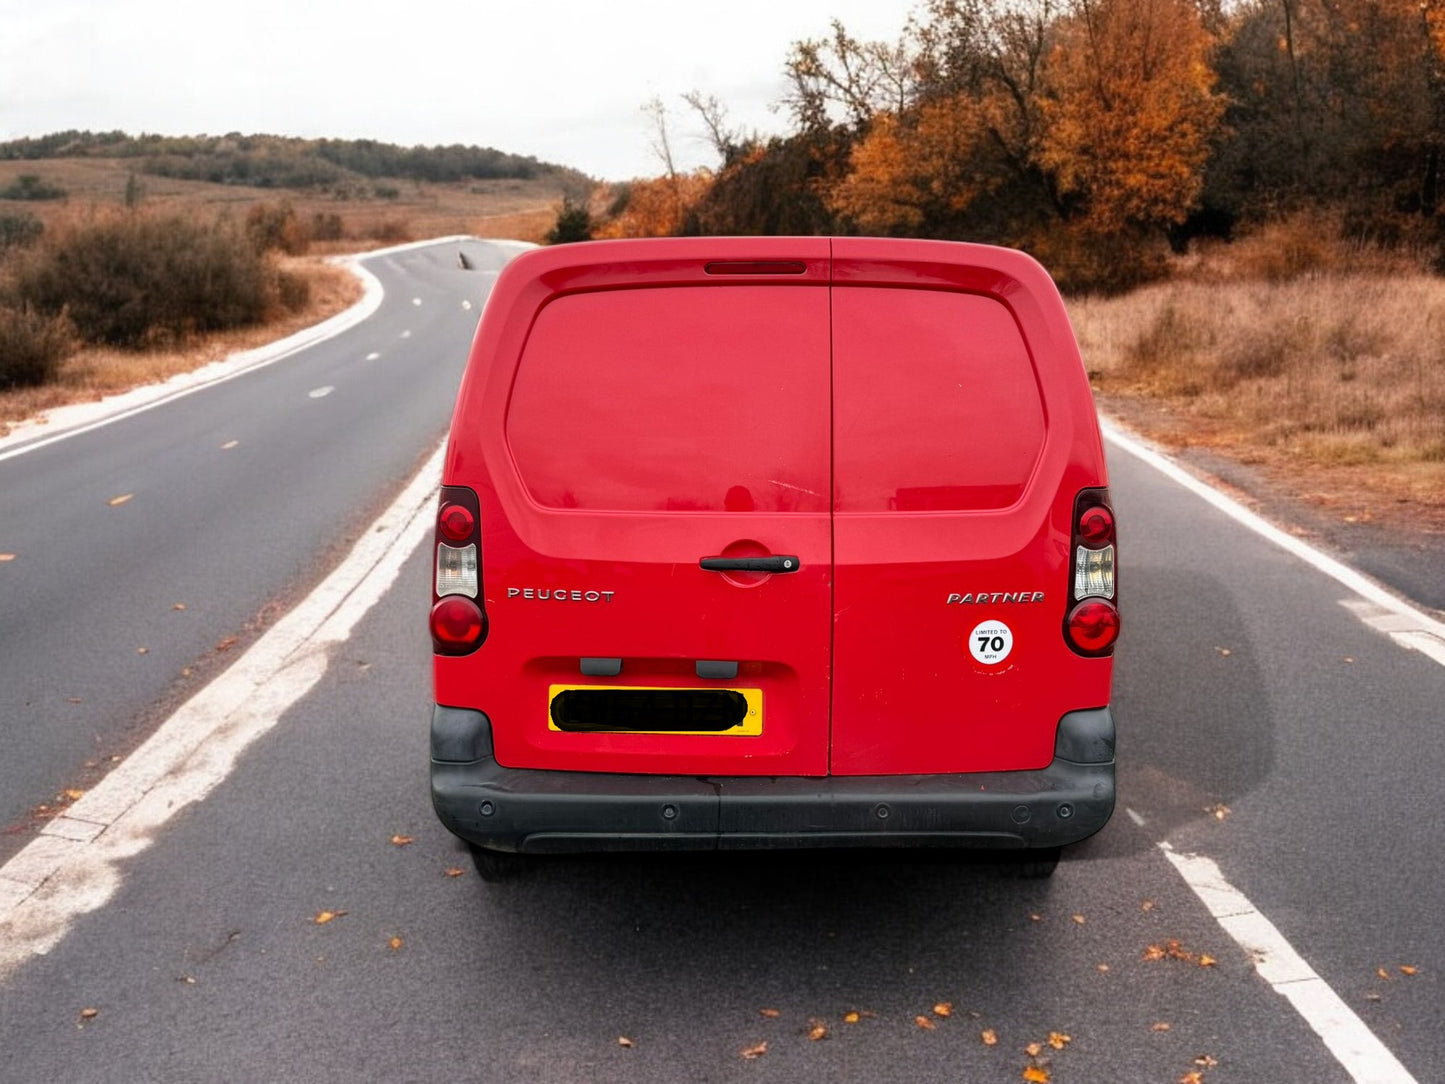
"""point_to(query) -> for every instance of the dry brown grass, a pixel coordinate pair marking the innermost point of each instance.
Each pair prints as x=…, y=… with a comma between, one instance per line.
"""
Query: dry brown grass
x=520, y=209
x=96, y=372
x=1333, y=381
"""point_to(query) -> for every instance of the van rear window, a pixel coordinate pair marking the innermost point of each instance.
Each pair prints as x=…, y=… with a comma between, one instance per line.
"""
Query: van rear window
x=696, y=398
x=936, y=403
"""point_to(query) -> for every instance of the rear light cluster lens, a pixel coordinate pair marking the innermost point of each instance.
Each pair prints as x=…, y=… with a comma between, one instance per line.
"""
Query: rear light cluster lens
x=1093, y=622
x=458, y=622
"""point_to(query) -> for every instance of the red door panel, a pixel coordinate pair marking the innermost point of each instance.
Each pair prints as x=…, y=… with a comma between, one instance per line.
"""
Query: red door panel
x=957, y=449
x=656, y=414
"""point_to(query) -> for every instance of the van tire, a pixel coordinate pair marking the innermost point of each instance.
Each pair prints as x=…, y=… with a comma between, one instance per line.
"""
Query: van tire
x=495, y=866
x=1033, y=864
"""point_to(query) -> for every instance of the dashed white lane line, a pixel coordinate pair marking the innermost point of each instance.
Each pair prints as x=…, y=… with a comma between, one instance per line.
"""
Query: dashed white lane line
x=1409, y=626
x=1346, y=1036
x=74, y=865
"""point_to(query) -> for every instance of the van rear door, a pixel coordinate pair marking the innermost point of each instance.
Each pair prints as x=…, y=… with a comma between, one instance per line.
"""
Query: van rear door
x=962, y=428
x=660, y=405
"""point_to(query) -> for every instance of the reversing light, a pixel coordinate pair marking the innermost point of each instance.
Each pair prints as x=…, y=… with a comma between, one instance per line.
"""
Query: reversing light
x=456, y=522
x=1093, y=626
x=457, y=571
x=1094, y=572
x=458, y=626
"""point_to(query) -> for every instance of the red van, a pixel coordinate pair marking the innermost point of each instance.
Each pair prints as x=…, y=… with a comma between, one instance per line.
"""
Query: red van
x=773, y=542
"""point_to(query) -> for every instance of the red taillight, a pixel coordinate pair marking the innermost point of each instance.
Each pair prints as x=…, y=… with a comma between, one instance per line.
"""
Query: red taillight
x=458, y=626
x=1093, y=626
x=1096, y=526
x=455, y=522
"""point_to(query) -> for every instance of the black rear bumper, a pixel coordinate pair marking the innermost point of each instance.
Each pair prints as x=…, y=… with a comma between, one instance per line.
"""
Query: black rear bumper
x=542, y=812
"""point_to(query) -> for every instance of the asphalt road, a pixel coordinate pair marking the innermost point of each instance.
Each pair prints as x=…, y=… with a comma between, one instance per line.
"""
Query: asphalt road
x=231, y=501
x=1262, y=724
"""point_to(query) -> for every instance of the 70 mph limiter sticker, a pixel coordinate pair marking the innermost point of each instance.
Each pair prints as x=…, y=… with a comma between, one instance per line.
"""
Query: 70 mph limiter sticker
x=990, y=642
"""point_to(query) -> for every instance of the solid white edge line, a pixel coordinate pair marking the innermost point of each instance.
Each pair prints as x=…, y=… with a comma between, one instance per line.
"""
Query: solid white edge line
x=1350, y=578
x=73, y=866
x=1347, y=1037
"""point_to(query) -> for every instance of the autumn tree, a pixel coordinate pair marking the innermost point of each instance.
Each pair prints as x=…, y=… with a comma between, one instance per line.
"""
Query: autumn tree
x=1130, y=113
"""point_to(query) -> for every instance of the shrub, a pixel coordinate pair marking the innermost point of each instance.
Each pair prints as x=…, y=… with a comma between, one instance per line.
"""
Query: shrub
x=327, y=226
x=32, y=346
x=128, y=279
x=30, y=186
x=275, y=227
x=574, y=223
x=17, y=231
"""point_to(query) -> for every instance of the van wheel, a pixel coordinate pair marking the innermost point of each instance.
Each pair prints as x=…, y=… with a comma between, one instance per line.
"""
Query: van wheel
x=1034, y=864
x=494, y=866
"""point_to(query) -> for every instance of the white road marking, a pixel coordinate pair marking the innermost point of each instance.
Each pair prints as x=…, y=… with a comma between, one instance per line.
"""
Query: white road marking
x=1405, y=631
x=1348, y=1038
x=76, y=863
x=372, y=356
x=1415, y=629
x=321, y=392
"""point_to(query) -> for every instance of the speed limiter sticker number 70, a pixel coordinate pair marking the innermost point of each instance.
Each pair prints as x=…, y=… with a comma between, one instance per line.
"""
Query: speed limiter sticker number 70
x=990, y=642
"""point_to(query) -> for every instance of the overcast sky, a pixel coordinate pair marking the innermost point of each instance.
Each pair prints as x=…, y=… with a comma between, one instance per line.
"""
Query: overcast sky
x=562, y=80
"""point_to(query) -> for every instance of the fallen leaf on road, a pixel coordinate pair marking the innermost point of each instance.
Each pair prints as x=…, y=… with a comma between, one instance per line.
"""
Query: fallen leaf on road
x=1036, y=1075
x=1174, y=949
x=455, y=871
x=1102, y=968
x=1194, y=1076
x=6, y=557
x=1147, y=905
x=924, y=1023
x=89, y=1014
x=943, y=1008
x=1407, y=969
x=989, y=1037
x=1349, y=658
x=1058, y=1040
x=178, y=605
x=1036, y=918
x=402, y=841
x=1206, y=960
x=394, y=944
x=1218, y=812
x=229, y=445
x=850, y=1018
x=1206, y=1061
x=142, y=651
x=1382, y=973
x=1080, y=919
x=1161, y=1026
x=74, y=700
x=623, y=1040
x=755, y=1051
x=817, y=1030
x=771, y=1014
x=228, y=643
x=116, y=502
x=323, y=917
x=75, y=795
x=1224, y=652
x=1033, y=1050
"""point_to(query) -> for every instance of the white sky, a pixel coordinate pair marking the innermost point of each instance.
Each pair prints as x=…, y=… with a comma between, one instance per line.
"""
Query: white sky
x=559, y=79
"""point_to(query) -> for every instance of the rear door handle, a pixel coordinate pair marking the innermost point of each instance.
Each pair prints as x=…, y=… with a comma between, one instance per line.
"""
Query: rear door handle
x=749, y=564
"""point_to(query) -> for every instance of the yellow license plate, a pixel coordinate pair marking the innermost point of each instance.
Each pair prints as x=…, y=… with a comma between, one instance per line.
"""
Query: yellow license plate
x=634, y=709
